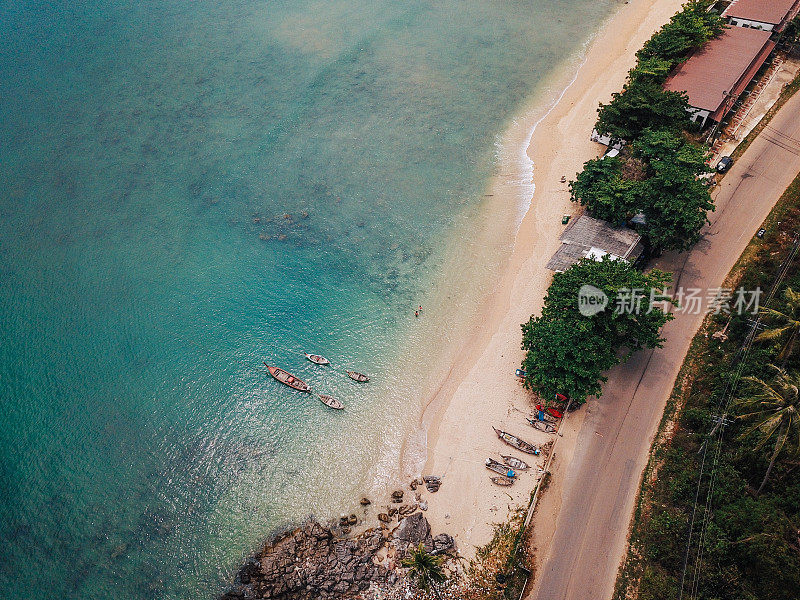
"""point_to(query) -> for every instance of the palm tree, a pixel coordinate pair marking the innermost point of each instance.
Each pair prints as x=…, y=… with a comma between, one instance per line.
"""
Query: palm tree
x=787, y=324
x=425, y=568
x=774, y=410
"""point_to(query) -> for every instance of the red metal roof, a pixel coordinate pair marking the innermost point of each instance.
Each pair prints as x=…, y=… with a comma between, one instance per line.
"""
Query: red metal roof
x=764, y=11
x=713, y=74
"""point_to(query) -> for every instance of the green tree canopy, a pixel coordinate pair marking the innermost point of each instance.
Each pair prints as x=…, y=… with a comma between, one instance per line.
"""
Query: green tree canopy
x=659, y=146
x=633, y=329
x=673, y=199
x=603, y=190
x=567, y=352
x=642, y=104
x=688, y=29
x=785, y=324
x=652, y=68
x=424, y=567
x=772, y=408
x=675, y=204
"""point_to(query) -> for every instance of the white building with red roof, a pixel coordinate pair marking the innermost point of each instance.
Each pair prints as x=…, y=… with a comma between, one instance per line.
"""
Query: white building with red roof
x=767, y=15
x=714, y=76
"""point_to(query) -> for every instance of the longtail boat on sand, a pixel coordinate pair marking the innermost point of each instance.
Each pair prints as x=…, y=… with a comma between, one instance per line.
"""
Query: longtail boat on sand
x=553, y=412
x=359, y=377
x=545, y=426
x=287, y=378
x=331, y=401
x=500, y=468
x=317, y=359
x=504, y=481
x=515, y=442
x=515, y=463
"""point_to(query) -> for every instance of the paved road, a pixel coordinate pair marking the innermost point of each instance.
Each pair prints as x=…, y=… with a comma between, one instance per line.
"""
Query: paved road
x=613, y=444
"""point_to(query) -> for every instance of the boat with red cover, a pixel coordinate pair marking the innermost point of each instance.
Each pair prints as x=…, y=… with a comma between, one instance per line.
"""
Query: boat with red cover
x=287, y=378
x=553, y=412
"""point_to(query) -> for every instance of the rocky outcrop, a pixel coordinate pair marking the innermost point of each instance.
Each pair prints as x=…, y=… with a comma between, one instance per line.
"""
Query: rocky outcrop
x=443, y=543
x=310, y=563
x=412, y=531
x=432, y=483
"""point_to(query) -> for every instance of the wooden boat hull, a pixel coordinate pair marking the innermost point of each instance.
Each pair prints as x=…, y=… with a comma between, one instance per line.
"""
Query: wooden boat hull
x=500, y=468
x=515, y=463
x=504, y=481
x=542, y=425
x=331, y=402
x=317, y=359
x=359, y=377
x=287, y=378
x=516, y=442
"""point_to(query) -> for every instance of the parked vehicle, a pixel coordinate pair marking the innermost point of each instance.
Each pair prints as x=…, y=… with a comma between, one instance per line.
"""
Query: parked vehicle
x=724, y=164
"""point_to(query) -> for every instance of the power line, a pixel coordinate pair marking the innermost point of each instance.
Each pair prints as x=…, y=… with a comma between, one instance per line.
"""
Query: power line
x=719, y=431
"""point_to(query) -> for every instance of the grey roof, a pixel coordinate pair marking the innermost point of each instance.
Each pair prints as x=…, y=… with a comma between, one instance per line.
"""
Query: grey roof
x=586, y=235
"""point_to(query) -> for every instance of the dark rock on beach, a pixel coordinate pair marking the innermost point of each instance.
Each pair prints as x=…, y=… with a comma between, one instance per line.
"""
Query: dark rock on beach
x=312, y=562
x=309, y=563
x=412, y=531
x=432, y=483
x=443, y=543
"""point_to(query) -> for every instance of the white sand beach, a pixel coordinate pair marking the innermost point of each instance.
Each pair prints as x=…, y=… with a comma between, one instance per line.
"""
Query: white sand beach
x=482, y=392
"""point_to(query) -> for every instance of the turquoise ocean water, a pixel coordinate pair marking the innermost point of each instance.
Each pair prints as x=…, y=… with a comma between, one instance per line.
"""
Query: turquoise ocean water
x=190, y=188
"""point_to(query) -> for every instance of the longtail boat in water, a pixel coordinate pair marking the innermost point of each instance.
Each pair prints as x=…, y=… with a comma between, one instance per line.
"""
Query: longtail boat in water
x=317, y=359
x=287, y=378
x=359, y=377
x=331, y=401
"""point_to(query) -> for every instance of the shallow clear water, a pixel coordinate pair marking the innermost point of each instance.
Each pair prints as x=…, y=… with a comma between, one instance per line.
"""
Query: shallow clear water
x=190, y=188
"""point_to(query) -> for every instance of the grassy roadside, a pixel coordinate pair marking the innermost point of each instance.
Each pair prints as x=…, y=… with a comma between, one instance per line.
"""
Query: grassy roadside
x=655, y=511
x=491, y=575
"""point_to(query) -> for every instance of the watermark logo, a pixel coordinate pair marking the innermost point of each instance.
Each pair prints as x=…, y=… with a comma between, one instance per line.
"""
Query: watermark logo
x=694, y=301
x=591, y=300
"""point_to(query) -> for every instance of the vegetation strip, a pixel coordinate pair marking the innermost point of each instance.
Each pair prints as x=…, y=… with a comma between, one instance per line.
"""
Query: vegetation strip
x=659, y=180
x=751, y=514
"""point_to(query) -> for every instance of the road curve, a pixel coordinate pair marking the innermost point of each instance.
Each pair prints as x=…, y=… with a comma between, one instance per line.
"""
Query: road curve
x=612, y=447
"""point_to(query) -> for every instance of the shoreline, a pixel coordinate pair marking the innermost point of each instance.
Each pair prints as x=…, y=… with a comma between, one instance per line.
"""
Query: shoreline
x=483, y=391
